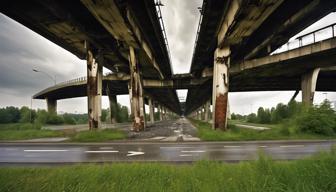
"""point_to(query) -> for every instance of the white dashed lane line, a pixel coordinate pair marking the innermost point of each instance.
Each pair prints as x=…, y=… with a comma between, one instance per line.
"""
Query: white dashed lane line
x=192, y=151
x=185, y=155
x=231, y=146
x=101, y=151
x=289, y=146
x=45, y=150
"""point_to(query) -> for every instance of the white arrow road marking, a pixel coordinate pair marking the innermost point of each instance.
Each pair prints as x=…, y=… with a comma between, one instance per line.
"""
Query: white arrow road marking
x=45, y=150
x=101, y=151
x=287, y=146
x=134, y=153
x=192, y=151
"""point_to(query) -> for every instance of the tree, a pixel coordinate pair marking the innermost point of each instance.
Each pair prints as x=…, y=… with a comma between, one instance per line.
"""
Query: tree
x=252, y=118
x=264, y=115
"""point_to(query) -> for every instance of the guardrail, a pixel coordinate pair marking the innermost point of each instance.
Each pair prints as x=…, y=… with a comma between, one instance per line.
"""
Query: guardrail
x=318, y=35
x=199, y=27
x=158, y=4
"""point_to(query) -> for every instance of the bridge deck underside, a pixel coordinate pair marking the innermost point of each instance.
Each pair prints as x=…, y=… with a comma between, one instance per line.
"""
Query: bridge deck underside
x=283, y=75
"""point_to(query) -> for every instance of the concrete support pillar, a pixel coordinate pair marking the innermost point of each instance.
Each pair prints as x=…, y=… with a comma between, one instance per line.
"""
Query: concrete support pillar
x=136, y=93
x=94, y=89
x=52, y=105
x=308, y=86
x=160, y=112
x=151, y=110
x=207, y=110
x=113, y=108
x=220, y=87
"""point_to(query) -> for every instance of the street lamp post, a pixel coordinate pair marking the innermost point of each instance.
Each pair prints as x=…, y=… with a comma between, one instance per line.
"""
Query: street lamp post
x=51, y=77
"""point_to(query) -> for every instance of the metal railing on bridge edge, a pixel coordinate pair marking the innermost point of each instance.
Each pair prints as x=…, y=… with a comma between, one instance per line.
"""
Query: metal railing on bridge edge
x=158, y=4
x=300, y=40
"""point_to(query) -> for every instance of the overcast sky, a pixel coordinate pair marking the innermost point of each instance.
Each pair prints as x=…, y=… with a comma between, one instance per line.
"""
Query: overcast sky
x=21, y=50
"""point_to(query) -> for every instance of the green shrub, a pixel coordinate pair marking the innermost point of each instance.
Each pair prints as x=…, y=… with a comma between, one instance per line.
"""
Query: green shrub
x=68, y=119
x=54, y=119
x=318, y=119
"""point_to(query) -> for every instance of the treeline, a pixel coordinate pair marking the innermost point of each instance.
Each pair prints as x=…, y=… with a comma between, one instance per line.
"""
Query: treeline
x=318, y=119
x=273, y=115
x=25, y=115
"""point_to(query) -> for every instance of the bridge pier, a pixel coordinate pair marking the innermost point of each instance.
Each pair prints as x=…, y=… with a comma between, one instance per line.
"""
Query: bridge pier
x=113, y=108
x=220, y=88
x=308, y=86
x=160, y=112
x=52, y=105
x=94, y=89
x=136, y=93
x=207, y=110
x=151, y=110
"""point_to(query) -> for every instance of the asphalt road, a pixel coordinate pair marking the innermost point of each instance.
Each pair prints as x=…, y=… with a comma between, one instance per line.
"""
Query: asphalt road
x=55, y=153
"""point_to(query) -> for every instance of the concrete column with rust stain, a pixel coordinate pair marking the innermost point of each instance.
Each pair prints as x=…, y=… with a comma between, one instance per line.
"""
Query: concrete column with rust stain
x=151, y=110
x=220, y=87
x=136, y=93
x=52, y=105
x=308, y=86
x=94, y=89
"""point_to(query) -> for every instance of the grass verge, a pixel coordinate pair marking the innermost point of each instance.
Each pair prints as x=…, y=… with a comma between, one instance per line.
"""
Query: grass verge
x=277, y=132
x=316, y=173
x=22, y=131
x=98, y=136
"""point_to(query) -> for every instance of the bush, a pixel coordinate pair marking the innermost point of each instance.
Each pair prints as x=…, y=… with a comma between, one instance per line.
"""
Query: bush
x=252, y=118
x=54, y=119
x=318, y=120
x=68, y=119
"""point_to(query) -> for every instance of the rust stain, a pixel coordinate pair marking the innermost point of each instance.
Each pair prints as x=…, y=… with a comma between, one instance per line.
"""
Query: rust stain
x=92, y=86
x=138, y=124
x=221, y=111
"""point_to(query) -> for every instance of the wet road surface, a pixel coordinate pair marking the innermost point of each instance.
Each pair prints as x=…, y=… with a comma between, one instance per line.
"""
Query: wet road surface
x=54, y=153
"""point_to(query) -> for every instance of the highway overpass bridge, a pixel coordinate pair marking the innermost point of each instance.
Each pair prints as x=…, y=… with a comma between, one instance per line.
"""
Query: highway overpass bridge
x=232, y=51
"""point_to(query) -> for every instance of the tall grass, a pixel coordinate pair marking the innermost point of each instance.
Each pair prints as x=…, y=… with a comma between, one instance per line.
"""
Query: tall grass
x=317, y=173
x=234, y=133
x=21, y=131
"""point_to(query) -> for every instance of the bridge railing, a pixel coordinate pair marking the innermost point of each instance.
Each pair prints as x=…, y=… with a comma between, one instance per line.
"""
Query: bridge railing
x=158, y=4
x=318, y=35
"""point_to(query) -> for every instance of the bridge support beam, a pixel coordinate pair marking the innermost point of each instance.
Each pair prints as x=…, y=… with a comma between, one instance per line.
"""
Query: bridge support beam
x=151, y=110
x=94, y=89
x=136, y=93
x=52, y=105
x=220, y=87
x=308, y=86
